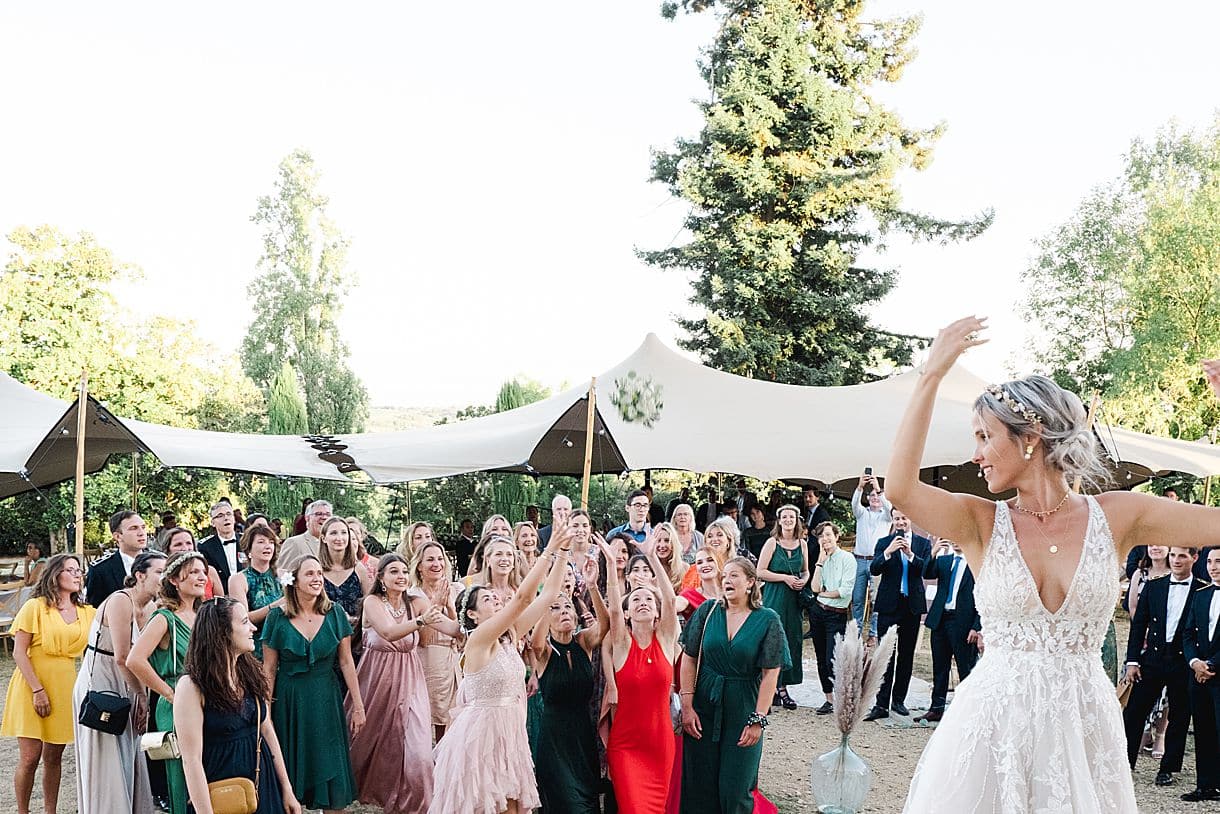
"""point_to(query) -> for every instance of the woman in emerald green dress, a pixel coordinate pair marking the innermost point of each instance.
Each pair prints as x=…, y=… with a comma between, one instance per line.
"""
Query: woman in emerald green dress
x=783, y=569
x=158, y=657
x=565, y=762
x=256, y=586
x=737, y=647
x=302, y=642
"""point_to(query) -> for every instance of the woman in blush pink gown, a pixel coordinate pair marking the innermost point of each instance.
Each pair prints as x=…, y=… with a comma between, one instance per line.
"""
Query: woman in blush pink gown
x=392, y=760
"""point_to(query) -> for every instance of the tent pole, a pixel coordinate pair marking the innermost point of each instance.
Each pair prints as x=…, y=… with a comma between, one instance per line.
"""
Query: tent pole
x=1088, y=422
x=81, y=409
x=584, y=481
x=135, y=481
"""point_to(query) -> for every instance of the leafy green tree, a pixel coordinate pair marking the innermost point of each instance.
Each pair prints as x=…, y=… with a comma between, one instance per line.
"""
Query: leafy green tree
x=285, y=416
x=298, y=295
x=1137, y=273
x=512, y=493
x=792, y=176
x=59, y=314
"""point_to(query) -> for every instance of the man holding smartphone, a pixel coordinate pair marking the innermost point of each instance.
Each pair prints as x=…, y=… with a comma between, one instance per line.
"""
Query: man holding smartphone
x=873, y=520
x=900, y=601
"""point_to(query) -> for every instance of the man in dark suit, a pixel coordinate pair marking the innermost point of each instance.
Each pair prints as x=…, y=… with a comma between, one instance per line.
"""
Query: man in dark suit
x=220, y=548
x=954, y=622
x=899, y=561
x=815, y=512
x=709, y=511
x=683, y=497
x=466, y=544
x=1201, y=649
x=107, y=575
x=1155, y=660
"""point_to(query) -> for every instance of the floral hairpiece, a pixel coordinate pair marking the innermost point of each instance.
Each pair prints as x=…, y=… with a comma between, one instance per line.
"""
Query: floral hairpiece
x=1011, y=403
x=287, y=578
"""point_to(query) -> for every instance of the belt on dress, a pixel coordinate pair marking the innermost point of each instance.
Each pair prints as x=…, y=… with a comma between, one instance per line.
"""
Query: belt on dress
x=713, y=684
x=99, y=650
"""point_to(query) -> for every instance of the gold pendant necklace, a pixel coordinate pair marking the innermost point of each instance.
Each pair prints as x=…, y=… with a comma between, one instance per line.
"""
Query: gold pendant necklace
x=1046, y=513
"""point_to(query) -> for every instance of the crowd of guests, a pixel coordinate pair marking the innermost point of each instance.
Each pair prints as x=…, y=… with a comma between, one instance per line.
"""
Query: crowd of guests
x=553, y=668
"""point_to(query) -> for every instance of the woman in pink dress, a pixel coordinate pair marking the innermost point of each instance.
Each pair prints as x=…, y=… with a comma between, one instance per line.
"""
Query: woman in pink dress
x=392, y=760
x=483, y=766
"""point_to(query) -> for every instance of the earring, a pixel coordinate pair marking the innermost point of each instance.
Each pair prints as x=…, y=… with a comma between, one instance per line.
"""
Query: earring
x=1029, y=451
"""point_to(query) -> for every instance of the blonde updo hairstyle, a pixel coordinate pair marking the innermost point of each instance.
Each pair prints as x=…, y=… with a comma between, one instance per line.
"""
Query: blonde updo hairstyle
x=1068, y=443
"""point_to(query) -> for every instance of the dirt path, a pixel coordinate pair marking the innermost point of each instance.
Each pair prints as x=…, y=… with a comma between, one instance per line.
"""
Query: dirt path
x=794, y=739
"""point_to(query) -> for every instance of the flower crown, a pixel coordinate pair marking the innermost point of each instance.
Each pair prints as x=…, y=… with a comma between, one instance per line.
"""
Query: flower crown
x=1001, y=395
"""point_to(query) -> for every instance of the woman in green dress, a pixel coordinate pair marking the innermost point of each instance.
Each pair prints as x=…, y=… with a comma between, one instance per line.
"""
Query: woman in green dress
x=158, y=657
x=256, y=586
x=565, y=761
x=736, y=648
x=302, y=642
x=783, y=568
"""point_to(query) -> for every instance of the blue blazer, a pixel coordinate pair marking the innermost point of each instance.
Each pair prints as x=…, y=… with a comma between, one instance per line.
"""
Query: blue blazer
x=889, y=591
x=940, y=569
x=1196, y=644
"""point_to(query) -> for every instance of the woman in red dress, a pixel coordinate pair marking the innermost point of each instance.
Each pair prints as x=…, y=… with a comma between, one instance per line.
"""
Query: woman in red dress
x=642, y=643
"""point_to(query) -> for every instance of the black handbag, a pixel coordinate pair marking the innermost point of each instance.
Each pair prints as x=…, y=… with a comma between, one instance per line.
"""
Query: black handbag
x=103, y=710
x=805, y=597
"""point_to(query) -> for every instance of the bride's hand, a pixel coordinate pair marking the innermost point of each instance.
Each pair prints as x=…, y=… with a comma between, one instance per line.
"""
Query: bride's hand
x=1211, y=369
x=954, y=340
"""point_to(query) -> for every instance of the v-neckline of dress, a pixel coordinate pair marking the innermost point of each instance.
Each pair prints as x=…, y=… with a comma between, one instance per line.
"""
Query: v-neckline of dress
x=1033, y=583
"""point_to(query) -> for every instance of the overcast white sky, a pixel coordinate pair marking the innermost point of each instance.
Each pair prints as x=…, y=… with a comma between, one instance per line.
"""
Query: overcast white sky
x=489, y=161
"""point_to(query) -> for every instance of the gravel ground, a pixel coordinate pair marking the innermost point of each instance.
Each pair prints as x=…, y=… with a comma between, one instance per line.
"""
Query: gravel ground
x=794, y=739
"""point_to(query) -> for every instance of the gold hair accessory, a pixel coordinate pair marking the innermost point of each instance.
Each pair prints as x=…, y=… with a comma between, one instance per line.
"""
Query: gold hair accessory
x=1002, y=395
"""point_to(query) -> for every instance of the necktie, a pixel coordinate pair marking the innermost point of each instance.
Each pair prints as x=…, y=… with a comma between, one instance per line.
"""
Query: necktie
x=953, y=577
x=904, y=576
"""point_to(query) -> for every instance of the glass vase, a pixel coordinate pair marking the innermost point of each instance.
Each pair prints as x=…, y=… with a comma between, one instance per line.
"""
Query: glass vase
x=841, y=780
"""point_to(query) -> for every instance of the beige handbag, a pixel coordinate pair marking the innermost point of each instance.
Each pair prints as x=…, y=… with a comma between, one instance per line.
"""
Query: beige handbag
x=160, y=745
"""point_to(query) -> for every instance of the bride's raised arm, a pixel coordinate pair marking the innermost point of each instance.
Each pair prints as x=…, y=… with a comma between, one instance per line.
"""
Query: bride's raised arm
x=1141, y=519
x=965, y=519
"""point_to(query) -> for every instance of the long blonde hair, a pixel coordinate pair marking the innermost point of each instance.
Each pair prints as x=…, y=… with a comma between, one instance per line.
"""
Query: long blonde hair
x=675, y=566
x=514, y=576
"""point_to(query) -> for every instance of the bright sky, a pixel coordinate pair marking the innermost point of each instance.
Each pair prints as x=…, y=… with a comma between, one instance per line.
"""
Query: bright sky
x=489, y=161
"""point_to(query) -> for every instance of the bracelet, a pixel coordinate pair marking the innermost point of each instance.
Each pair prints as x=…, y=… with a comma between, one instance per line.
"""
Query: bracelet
x=817, y=565
x=686, y=692
x=40, y=689
x=757, y=718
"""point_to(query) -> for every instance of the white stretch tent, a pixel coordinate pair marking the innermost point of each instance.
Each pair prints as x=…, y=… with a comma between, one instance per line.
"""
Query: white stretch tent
x=38, y=443
x=717, y=422
x=710, y=422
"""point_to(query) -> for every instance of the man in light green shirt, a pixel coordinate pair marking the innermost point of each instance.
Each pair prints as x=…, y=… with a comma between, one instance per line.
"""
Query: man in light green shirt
x=834, y=577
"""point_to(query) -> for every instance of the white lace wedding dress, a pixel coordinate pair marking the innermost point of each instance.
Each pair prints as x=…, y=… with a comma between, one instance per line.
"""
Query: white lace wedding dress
x=1036, y=728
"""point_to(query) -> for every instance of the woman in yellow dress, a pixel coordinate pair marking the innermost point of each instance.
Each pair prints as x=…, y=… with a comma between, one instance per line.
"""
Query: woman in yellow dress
x=49, y=634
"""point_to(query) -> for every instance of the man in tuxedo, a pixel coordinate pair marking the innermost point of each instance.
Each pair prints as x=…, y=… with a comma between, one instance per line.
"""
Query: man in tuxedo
x=1155, y=660
x=656, y=512
x=815, y=512
x=107, y=575
x=899, y=561
x=954, y=622
x=1201, y=649
x=561, y=510
x=466, y=544
x=220, y=548
x=309, y=541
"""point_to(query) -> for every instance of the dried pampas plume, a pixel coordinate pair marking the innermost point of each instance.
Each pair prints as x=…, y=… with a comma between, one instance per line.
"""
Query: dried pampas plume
x=858, y=674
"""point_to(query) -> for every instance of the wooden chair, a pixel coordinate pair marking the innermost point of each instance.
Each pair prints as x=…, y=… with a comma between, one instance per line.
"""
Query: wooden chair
x=10, y=603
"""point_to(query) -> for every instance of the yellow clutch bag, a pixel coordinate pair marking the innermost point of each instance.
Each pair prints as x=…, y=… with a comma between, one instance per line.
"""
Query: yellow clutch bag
x=234, y=795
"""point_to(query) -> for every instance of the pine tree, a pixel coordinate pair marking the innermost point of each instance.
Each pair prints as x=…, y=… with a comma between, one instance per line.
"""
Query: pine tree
x=792, y=176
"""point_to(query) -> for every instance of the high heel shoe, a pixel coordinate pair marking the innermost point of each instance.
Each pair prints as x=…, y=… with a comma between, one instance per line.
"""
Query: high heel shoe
x=785, y=700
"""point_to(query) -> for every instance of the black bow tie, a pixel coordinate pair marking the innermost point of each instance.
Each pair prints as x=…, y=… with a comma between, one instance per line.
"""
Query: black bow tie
x=1175, y=582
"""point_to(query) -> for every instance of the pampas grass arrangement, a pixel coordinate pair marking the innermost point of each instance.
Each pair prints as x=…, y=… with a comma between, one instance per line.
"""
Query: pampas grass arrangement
x=858, y=674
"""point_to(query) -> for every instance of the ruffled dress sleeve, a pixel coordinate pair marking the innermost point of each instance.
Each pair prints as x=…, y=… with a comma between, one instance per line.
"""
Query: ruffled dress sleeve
x=773, y=648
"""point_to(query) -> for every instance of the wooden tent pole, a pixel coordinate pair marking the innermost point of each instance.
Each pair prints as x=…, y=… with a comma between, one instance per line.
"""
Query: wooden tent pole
x=1088, y=422
x=592, y=408
x=82, y=406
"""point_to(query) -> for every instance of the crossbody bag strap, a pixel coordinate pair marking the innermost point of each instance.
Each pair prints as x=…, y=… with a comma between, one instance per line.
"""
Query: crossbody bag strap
x=702, y=637
x=258, y=744
x=97, y=637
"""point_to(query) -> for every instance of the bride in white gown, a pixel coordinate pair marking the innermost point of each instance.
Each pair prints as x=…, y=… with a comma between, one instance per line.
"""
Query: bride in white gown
x=1036, y=728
